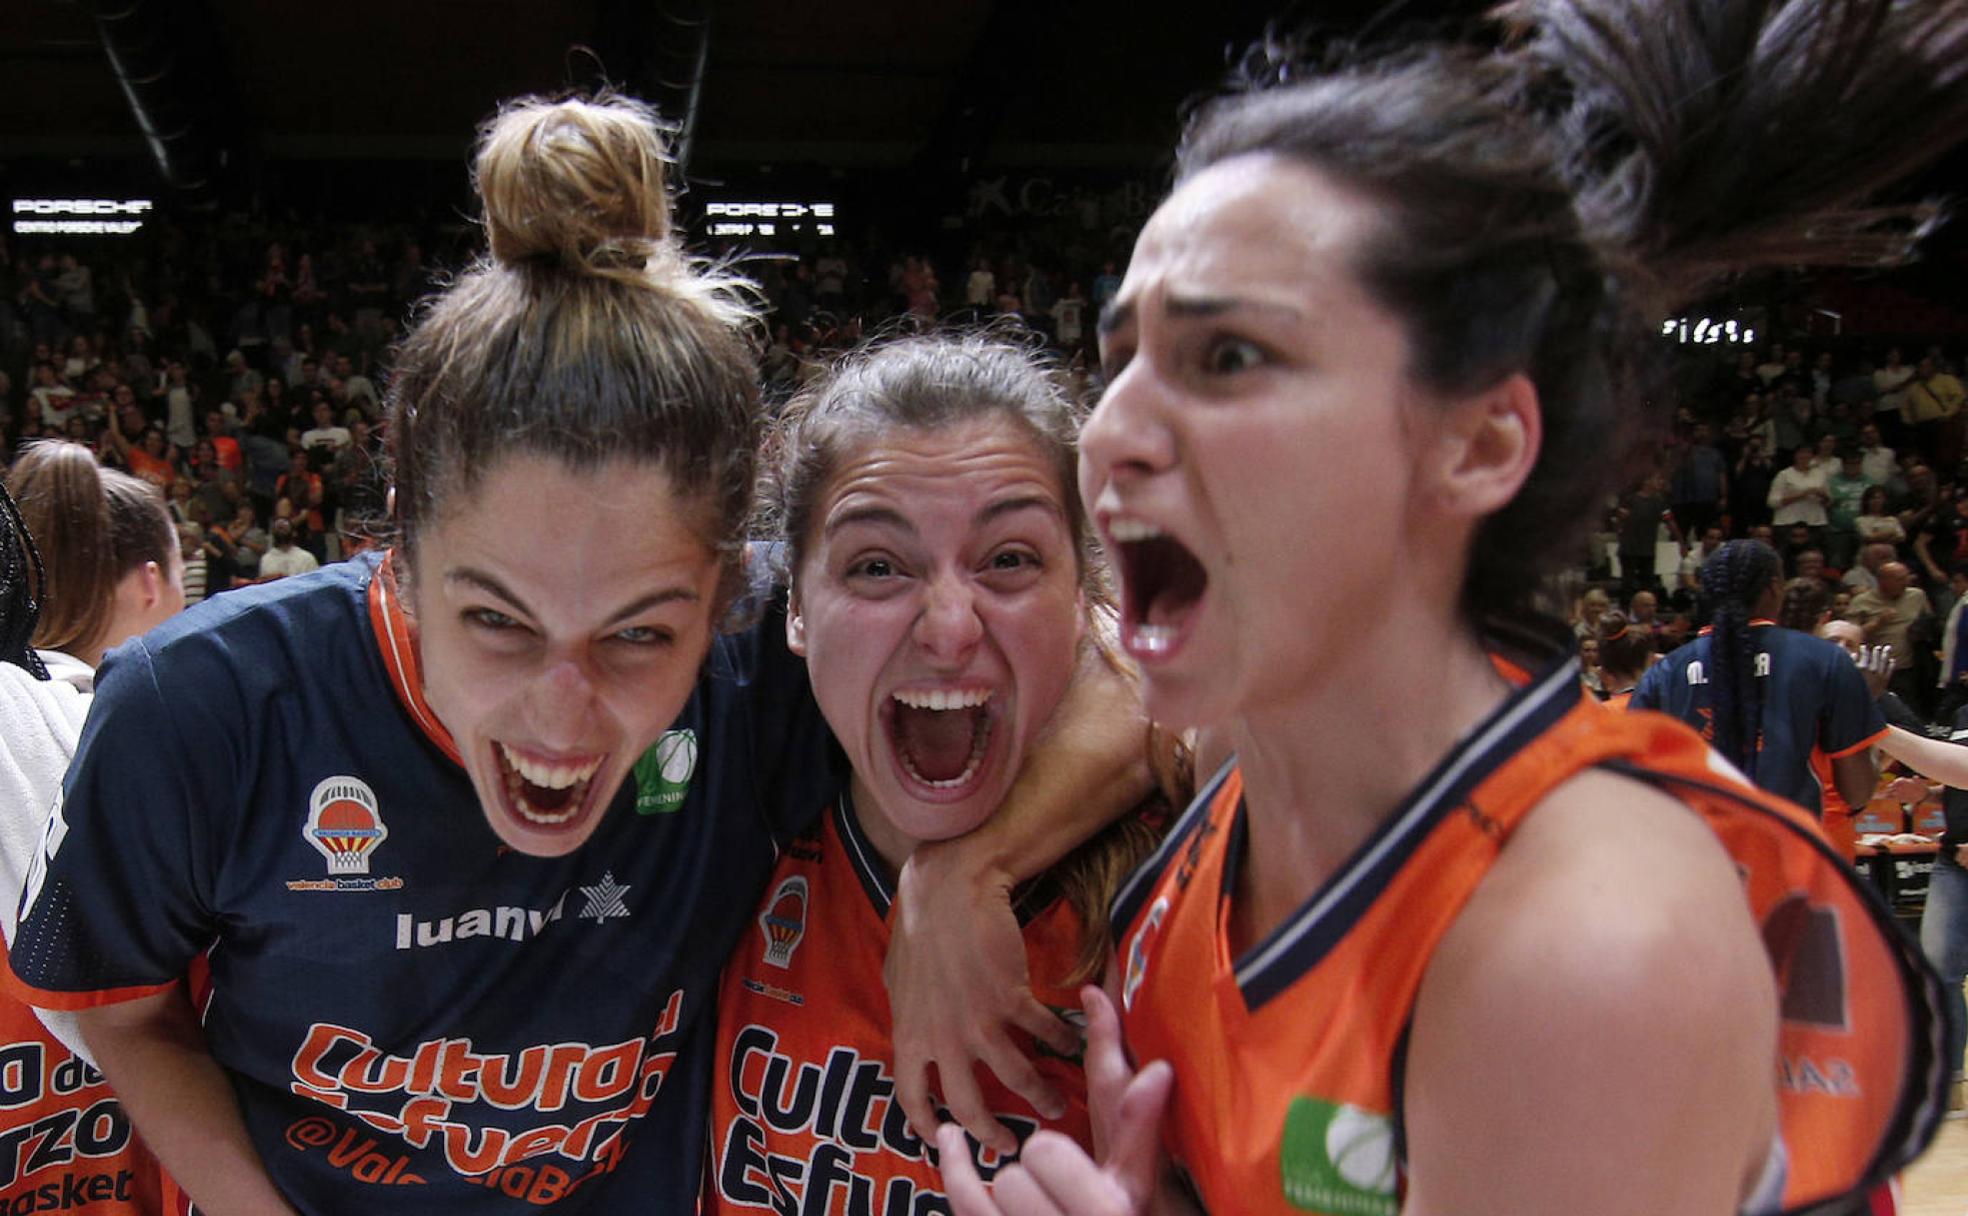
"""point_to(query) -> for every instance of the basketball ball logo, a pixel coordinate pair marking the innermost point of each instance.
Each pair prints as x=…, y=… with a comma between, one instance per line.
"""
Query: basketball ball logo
x=663, y=773
x=784, y=921
x=344, y=824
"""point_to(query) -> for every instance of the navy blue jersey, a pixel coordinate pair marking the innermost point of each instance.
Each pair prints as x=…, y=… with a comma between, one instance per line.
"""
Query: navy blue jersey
x=1813, y=696
x=414, y=1017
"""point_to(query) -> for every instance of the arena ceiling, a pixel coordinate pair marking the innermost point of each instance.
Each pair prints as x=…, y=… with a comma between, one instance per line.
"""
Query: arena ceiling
x=846, y=82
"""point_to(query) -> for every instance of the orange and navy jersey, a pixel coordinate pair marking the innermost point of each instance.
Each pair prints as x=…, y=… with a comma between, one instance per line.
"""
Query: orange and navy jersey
x=803, y=1116
x=1839, y=820
x=1287, y=1058
x=65, y=1143
x=1812, y=697
x=412, y=1017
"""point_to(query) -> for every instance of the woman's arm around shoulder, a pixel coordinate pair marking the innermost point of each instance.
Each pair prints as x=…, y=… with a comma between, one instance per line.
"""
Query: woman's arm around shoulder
x=956, y=968
x=1598, y=1030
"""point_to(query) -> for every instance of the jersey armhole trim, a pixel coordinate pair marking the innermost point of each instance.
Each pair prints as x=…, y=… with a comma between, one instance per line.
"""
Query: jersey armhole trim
x=69, y=1002
x=1858, y=747
x=1918, y=1118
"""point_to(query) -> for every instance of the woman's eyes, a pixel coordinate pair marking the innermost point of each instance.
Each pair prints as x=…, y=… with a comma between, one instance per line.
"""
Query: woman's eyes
x=1013, y=559
x=500, y=625
x=491, y=618
x=872, y=567
x=1227, y=356
x=645, y=635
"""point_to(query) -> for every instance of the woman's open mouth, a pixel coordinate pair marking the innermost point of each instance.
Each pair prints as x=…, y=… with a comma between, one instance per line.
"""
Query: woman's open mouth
x=941, y=738
x=545, y=794
x=1162, y=585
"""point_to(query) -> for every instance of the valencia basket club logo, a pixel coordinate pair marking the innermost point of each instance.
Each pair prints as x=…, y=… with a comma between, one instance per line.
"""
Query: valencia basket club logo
x=784, y=921
x=344, y=825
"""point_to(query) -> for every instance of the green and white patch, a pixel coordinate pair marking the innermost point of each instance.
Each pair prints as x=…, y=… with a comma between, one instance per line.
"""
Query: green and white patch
x=663, y=773
x=1337, y=1158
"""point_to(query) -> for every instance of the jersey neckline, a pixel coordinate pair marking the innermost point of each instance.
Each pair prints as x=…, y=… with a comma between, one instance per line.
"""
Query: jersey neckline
x=1299, y=942
x=396, y=645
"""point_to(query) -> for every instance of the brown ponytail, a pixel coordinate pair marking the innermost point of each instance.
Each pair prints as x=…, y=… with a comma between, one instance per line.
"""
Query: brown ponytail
x=92, y=525
x=1542, y=204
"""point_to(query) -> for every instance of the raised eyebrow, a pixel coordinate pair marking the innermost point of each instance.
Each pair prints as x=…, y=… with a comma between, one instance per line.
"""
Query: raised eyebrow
x=1012, y=506
x=871, y=514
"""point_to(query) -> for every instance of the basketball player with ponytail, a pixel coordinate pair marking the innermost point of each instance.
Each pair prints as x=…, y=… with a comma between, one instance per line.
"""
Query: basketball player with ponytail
x=1766, y=696
x=1500, y=949
x=468, y=827
x=105, y=569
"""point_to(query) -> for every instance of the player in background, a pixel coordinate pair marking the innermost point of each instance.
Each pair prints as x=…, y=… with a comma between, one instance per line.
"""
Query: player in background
x=1625, y=649
x=1496, y=949
x=943, y=591
x=107, y=568
x=471, y=826
x=1769, y=697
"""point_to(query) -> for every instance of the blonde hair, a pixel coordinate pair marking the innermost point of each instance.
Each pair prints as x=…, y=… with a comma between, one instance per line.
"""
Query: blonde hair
x=587, y=334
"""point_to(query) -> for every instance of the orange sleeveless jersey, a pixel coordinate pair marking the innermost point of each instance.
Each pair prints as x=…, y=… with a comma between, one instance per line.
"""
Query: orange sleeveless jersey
x=65, y=1143
x=1286, y=1060
x=802, y=1095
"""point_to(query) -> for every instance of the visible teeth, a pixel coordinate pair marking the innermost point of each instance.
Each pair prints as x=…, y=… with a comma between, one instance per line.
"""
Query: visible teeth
x=516, y=788
x=977, y=749
x=1125, y=530
x=1153, y=639
x=549, y=776
x=942, y=698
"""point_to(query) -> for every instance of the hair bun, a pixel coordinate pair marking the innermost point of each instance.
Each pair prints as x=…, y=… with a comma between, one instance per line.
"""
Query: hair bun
x=577, y=181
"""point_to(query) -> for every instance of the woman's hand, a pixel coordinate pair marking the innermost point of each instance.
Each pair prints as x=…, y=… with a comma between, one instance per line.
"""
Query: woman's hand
x=957, y=981
x=956, y=970
x=1054, y=1174
x=1908, y=790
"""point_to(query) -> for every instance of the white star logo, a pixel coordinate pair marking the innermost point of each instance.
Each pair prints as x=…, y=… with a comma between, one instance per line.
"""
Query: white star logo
x=605, y=899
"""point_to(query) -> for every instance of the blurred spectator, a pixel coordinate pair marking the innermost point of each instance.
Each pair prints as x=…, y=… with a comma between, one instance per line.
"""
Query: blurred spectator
x=285, y=557
x=1797, y=492
x=1847, y=487
x=1876, y=525
x=1877, y=460
x=1933, y=403
x=981, y=289
x=191, y=543
x=1648, y=514
x=1888, y=383
x=326, y=438
x=1749, y=489
x=1864, y=574
x=1888, y=613
x=1591, y=606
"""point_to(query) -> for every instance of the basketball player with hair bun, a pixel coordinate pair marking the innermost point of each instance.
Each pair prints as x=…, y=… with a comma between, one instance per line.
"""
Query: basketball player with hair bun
x=1498, y=949
x=434, y=813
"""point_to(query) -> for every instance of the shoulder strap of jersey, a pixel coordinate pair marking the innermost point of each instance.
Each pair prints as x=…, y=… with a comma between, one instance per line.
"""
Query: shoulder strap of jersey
x=1225, y=784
